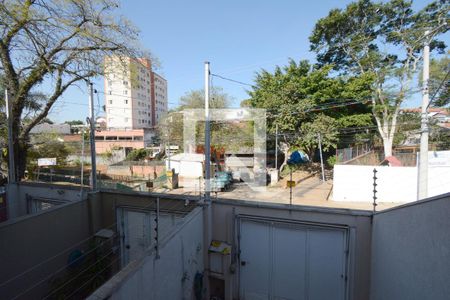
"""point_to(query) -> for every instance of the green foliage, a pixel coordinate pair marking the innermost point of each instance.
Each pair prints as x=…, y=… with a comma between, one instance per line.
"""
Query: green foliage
x=358, y=120
x=74, y=122
x=409, y=124
x=331, y=161
x=381, y=41
x=48, y=145
x=138, y=154
x=171, y=126
x=55, y=44
x=299, y=97
x=440, y=78
x=293, y=92
x=325, y=126
x=196, y=99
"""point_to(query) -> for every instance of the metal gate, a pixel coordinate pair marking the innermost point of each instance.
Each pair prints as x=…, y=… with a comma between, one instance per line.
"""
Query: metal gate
x=135, y=232
x=280, y=260
x=136, y=229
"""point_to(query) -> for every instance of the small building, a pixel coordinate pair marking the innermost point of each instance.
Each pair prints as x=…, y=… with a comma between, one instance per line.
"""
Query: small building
x=128, y=139
x=189, y=167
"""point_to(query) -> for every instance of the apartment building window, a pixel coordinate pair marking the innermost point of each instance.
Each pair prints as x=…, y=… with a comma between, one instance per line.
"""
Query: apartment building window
x=109, y=82
x=126, y=101
x=125, y=92
x=110, y=101
x=126, y=120
x=110, y=92
x=125, y=82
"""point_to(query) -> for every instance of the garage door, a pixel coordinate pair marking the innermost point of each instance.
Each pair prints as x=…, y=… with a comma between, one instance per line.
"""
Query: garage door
x=291, y=261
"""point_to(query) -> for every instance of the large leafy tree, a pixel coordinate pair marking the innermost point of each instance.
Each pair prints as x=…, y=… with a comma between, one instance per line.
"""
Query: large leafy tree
x=55, y=42
x=170, y=127
x=305, y=101
x=440, y=81
x=381, y=41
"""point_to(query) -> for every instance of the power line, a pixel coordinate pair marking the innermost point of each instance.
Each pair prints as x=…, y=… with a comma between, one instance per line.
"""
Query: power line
x=232, y=80
x=439, y=87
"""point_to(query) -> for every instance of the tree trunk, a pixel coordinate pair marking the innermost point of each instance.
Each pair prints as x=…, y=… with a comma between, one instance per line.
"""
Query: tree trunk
x=387, y=144
x=20, y=158
x=23, y=154
x=285, y=149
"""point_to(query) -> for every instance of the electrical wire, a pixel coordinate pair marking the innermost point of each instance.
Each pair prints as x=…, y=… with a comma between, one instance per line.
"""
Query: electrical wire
x=231, y=80
x=438, y=89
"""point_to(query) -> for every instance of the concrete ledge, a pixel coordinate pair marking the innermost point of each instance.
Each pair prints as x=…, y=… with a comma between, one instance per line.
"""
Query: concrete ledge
x=305, y=208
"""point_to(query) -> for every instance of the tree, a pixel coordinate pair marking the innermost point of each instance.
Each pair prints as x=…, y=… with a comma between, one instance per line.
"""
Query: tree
x=48, y=145
x=322, y=125
x=171, y=126
x=138, y=154
x=381, y=42
x=298, y=97
x=74, y=122
x=60, y=42
x=196, y=99
x=439, y=81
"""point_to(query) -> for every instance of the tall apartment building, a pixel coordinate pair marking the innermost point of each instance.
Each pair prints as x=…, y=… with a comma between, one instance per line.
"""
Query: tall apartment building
x=135, y=96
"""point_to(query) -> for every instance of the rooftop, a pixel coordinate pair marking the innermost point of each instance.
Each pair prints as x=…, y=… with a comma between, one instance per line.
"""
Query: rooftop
x=136, y=245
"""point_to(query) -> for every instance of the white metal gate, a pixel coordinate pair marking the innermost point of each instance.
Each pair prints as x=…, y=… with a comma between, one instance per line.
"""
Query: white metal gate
x=291, y=261
x=137, y=231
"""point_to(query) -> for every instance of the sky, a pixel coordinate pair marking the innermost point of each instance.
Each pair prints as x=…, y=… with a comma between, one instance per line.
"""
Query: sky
x=237, y=37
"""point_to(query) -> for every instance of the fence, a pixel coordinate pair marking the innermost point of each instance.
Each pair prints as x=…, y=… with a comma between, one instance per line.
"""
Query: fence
x=346, y=154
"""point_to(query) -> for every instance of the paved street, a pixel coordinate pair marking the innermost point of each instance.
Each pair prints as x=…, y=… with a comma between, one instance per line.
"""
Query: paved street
x=311, y=192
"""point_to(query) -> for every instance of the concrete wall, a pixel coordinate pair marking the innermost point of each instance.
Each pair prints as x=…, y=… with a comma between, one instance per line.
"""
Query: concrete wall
x=394, y=184
x=171, y=276
x=411, y=251
x=17, y=203
x=35, y=248
x=358, y=222
x=135, y=170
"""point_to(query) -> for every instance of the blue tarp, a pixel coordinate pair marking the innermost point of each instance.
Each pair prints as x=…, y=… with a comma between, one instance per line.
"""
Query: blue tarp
x=298, y=157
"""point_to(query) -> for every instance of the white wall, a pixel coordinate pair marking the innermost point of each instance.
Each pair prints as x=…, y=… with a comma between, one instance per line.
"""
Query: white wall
x=190, y=169
x=17, y=195
x=394, y=184
x=411, y=251
x=169, y=277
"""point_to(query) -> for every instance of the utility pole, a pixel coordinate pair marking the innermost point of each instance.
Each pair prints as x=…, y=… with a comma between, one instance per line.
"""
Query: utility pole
x=321, y=159
x=11, y=167
x=276, y=147
x=92, y=138
x=423, y=154
x=290, y=185
x=207, y=212
x=168, y=141
x=82, y=164
x=207, y=137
